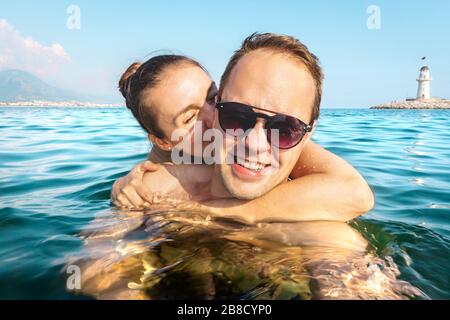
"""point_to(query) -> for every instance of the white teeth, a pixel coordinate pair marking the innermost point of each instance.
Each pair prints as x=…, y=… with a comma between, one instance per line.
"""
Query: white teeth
x=250, y=165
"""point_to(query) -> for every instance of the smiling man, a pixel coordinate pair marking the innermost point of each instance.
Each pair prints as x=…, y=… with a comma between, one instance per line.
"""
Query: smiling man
x=280, y=79
x=272, y=84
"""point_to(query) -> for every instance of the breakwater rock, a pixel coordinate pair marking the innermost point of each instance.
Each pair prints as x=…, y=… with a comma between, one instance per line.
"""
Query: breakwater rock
x=415, y=104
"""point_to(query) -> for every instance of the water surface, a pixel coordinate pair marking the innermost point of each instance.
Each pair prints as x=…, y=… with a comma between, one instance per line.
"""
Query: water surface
x=57, y=166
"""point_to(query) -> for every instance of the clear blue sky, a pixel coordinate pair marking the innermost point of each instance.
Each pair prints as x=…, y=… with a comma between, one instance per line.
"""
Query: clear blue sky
x=362, y=66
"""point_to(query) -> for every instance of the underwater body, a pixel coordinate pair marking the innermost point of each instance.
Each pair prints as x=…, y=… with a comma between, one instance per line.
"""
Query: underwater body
x=56, y=171
x=166, y=254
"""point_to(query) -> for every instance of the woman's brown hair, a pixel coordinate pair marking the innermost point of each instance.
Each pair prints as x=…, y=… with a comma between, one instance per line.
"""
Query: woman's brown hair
x=142, y=76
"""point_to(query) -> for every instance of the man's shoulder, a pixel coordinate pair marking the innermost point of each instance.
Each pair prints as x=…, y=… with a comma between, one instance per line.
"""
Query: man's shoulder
x=170, y=177
x=195, y=173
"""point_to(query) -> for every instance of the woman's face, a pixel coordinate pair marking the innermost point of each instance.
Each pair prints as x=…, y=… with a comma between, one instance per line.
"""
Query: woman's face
x=184, y=96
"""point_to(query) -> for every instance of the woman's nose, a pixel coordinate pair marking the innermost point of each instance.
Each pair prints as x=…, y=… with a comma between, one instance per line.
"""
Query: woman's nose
x=207, y=116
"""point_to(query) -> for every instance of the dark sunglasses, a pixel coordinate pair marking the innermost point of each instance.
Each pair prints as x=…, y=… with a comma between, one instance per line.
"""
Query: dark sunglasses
x=234, y=116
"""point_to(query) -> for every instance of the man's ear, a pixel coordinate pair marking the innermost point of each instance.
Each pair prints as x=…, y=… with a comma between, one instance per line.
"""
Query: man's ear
x=314, y=126
x=308, y=135
x=162, y=144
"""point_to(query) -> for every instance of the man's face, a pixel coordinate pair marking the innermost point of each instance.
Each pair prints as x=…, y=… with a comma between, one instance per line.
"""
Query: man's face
x=273, y=81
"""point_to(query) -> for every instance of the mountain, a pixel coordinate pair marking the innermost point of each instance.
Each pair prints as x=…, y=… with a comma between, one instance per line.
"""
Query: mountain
x=18, y=85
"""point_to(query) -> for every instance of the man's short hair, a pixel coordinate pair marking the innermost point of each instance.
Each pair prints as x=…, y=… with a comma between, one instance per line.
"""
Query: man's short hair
x=283, y=44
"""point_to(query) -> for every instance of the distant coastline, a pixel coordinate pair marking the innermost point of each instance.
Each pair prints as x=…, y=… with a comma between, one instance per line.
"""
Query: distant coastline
x=415, y=104
x=38, y=103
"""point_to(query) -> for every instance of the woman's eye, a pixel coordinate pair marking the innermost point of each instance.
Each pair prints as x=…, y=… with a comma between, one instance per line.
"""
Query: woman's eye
x=190, y=118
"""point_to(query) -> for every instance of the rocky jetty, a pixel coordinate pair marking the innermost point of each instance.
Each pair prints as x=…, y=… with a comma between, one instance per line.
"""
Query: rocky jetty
x=415, y=104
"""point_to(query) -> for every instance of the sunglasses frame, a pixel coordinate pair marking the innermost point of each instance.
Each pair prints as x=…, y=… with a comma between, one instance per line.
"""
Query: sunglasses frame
x=306, y=127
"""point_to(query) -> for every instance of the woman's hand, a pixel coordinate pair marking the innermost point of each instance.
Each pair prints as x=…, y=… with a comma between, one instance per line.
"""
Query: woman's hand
x=130, y=191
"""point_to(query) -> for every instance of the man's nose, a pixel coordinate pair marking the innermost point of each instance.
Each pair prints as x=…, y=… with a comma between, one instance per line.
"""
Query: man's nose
x=256, y=140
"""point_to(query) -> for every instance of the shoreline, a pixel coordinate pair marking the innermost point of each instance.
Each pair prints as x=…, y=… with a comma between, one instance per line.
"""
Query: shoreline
x=429, y=104
x=402, y=105
x=65, y=104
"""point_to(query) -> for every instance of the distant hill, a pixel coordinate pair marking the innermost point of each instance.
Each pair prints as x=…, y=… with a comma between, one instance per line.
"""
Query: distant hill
x=18, y=85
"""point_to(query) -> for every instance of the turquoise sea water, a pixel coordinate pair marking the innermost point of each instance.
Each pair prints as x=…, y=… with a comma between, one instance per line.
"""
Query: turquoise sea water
x=57, y=167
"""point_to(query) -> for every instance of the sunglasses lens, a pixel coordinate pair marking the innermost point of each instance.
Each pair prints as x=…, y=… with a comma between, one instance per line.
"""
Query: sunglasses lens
x=283, y=131
x=235, y=118
x=288, y=130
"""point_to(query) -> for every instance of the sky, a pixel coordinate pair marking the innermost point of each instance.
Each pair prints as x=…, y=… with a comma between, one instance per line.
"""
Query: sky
x=370, y=50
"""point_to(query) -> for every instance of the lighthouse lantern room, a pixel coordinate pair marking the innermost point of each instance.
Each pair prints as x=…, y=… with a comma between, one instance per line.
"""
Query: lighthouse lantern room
x=424, y=80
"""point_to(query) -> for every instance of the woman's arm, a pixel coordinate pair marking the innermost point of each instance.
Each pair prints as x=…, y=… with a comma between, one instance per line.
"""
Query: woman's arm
x=324, y=187
x=130, y=191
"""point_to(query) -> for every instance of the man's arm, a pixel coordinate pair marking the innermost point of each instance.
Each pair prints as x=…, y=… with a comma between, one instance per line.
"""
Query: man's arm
x=324, y=187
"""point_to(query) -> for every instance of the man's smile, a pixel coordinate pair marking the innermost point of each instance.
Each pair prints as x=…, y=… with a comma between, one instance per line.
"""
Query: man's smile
x=249, y=170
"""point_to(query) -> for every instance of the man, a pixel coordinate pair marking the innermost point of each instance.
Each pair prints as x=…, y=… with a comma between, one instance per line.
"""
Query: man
x=271, y=82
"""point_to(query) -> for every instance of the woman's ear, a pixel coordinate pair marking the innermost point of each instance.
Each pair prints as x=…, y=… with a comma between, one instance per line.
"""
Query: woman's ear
x=162, y=144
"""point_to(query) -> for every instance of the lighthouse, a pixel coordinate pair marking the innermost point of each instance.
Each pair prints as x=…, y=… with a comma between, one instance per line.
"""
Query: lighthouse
x=423, y=100
x=423, y=88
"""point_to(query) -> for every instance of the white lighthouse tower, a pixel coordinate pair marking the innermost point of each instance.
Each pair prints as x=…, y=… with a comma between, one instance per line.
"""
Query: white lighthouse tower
x=423, y=89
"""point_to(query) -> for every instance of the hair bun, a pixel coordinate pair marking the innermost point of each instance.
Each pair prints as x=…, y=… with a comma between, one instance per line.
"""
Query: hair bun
x=123, y=82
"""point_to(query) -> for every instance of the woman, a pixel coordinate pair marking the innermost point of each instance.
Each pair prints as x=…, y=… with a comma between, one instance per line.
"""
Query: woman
x=172, y=92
